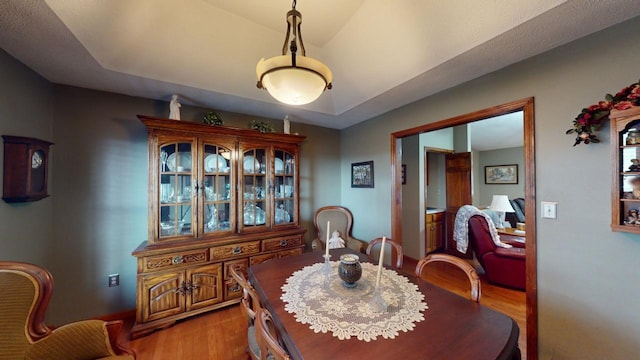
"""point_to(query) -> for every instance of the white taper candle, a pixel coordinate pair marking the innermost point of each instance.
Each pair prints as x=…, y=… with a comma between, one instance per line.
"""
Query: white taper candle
x=384, y=239
x=326, y=244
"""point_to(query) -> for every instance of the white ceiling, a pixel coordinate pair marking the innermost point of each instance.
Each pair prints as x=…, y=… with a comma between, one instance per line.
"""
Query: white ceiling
x=383, y=53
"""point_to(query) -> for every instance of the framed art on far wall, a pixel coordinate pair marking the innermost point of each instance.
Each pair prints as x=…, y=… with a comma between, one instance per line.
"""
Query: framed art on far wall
x=362, y=174
x=501, y=174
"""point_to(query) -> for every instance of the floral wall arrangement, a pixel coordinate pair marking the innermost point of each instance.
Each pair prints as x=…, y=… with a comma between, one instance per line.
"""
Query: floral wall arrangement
x=590, y=119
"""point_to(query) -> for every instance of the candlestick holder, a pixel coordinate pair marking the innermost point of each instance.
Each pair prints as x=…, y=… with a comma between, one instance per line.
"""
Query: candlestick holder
x=326, y=268
x=377, y=302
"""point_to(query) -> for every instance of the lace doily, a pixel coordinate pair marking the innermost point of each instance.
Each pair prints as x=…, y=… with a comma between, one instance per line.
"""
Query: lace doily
x=326, y=305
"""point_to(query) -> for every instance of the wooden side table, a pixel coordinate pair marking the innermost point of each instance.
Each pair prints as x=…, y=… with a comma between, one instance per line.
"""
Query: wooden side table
x=512, y=236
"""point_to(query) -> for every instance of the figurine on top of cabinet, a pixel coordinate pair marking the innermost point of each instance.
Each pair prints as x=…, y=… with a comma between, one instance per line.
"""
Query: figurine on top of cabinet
x=635, y=165
x=174, y=108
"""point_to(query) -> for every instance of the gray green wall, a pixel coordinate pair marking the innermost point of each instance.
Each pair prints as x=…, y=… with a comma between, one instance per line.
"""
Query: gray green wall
x=587, y=275
x=508, y=156
x=97, y=213
x=25, y=110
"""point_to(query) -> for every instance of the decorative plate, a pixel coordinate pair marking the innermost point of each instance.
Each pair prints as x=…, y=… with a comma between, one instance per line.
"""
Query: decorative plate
x=251, y=165
x=210, y=164
x=184, y=160
x=279, y=166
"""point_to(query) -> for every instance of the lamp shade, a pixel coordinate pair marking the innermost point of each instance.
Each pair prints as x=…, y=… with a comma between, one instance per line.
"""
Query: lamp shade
x=501, y=203
x=293, y=85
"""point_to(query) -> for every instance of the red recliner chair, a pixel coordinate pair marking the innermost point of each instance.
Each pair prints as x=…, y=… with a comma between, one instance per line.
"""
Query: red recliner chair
x=503, y=266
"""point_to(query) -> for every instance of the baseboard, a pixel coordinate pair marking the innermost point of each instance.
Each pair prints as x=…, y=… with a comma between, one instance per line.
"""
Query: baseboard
x=127, y=315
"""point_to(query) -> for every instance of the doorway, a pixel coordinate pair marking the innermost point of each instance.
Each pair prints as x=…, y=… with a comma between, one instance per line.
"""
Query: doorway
x=526, y=106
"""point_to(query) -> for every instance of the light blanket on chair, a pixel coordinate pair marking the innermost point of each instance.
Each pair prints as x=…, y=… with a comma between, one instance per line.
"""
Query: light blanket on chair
x=461, y=228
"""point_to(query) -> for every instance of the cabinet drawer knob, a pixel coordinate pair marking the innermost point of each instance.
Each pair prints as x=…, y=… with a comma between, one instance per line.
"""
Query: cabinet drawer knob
x=177, y=259
x=236, y=288
x=237, y=250
x=284, y=243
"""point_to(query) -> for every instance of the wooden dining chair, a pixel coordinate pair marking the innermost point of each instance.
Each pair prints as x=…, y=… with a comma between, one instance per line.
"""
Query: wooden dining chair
x=268, y=338
x=373, y=251
x=250, y=304
x=472, y=275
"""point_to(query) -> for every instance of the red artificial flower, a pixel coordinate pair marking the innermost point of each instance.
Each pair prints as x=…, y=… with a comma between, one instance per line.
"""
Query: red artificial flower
x=623, y=105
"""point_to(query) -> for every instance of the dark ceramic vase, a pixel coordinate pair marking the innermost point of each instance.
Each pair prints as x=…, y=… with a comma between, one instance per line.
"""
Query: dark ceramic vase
x=349, y=270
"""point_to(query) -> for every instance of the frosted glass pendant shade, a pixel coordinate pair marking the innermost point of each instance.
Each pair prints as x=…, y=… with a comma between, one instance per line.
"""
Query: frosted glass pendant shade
x=293, y=85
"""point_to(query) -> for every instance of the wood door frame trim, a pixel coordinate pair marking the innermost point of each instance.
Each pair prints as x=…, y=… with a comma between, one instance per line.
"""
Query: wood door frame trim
x=525, y=105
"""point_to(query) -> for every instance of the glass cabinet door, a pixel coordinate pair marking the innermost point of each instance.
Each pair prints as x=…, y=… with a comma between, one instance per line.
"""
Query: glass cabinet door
x=285, y=190
x=175, y=192
x=254, y=189
x=218, y=190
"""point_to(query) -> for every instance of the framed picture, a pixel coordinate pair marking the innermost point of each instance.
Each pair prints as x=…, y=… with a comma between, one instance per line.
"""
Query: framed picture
x=362, y=174
x=501, y=174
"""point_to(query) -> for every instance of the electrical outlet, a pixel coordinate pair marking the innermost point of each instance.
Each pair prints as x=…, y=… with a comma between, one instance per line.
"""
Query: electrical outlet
x=114, y=280
x=549, y=210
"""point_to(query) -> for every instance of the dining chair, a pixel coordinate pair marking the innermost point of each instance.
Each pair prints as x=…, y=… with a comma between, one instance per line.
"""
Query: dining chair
x=340, y=219
x=250, y=304
x=472, y=275
x=373, y=251
x=268, y=338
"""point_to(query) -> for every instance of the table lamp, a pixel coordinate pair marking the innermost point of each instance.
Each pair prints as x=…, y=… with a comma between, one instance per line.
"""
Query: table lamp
x=501, y=205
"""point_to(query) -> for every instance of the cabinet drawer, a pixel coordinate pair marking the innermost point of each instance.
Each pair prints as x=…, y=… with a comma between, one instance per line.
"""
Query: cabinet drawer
x=229, y=251
x=290, y=252
x=258, y=259
x=232, y=289
x=165, y=261
x=280, y=243
x=435, y=217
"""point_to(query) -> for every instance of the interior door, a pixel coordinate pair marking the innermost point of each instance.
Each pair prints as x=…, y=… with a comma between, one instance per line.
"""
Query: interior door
x=458, y=180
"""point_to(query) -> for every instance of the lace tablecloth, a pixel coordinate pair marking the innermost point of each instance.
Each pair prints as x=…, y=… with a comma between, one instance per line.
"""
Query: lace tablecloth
x=324, y=304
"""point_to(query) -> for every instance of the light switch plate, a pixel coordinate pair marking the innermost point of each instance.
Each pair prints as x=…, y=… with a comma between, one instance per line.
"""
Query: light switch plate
x=549, y=210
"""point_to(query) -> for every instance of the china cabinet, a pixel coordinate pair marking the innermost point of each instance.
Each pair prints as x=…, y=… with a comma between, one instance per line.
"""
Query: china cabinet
x=625, y=196
x=218, y=197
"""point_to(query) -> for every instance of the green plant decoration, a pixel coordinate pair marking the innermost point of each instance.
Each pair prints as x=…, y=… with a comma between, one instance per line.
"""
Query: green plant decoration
x=262, y=126
x=212, y=119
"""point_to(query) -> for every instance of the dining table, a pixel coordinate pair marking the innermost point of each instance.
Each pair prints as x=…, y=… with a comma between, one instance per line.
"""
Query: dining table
x=453, y=327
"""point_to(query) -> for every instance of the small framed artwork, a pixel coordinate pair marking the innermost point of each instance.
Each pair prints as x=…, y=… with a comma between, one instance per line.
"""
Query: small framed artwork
x=501, y=174
x=362, y=174
x=404, y=174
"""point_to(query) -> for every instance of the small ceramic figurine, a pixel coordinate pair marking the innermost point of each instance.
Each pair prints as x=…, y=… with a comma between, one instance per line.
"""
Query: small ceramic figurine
x=635, y=165
x=635, y=185
x=174, y=108
x=632, y=217
x=336, y=242
x=287, y=125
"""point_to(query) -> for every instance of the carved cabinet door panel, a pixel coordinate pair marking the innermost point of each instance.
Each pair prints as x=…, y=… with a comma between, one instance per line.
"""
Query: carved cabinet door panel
x=163, y=294
x=204, y=285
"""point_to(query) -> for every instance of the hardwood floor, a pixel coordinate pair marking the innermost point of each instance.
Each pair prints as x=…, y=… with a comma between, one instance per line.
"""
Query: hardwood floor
x=507, y=301
x=221, y=334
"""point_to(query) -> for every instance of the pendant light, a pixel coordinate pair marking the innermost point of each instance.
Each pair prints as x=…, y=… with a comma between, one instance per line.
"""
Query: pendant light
x=293, y=79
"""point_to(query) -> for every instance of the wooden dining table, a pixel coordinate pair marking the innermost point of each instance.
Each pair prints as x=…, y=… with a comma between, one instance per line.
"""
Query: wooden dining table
x=454, y=327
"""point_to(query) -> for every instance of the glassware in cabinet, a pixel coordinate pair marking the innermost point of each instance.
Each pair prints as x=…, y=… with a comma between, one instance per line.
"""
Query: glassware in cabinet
x=285, y=187
x=217, y=196
x=254, y=189
x=175, y=191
